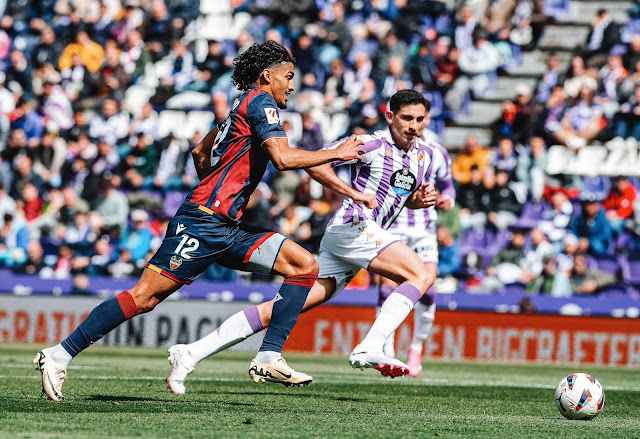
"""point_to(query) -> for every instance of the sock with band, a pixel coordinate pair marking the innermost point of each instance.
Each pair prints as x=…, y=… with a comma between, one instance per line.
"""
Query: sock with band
x=102, y=319
x=287, y=306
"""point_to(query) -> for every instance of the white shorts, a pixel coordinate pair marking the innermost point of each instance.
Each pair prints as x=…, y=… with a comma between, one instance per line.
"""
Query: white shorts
x=346, y=248
x=424, y=244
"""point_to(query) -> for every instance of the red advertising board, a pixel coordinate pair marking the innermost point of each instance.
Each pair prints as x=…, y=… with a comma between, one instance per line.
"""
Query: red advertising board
x=471, y=335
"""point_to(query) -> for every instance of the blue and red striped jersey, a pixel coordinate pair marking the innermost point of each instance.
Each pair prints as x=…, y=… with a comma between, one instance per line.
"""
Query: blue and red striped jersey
x=238, y=161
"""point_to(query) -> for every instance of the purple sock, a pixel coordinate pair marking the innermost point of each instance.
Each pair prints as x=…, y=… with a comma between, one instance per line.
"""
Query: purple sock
x=253, y=317
x=409, y=291
x=383, y=292
x=429, y=297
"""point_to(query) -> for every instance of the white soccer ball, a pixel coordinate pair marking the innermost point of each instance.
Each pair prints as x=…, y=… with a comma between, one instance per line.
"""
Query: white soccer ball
x=579, y=396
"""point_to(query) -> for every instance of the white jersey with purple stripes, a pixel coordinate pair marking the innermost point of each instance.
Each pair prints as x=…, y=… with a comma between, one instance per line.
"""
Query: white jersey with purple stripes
x=423, y=221
x=388, y=172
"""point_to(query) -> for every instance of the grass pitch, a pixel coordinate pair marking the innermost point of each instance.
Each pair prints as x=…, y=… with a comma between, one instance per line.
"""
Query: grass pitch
x=121, y=393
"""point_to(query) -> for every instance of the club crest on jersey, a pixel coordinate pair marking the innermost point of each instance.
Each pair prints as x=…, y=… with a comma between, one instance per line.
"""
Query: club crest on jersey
x=175, y=263
x=272, y=115
x=403, y=182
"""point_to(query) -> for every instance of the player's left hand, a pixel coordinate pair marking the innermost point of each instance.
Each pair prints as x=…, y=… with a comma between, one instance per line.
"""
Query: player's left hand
x=444, y=202
x=424, y=197
x=369, y=200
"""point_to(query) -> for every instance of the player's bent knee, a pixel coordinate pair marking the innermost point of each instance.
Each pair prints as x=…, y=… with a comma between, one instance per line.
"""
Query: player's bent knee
x=423, y=280
x=305, y=264
x=144, y=302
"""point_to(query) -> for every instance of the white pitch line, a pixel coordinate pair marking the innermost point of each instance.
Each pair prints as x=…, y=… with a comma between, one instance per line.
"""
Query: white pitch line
x=362, y=381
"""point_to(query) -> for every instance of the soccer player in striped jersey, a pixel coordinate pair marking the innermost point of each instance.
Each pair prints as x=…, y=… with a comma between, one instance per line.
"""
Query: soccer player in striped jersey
x=417, y=229
x=207, y=227
x=393, y=173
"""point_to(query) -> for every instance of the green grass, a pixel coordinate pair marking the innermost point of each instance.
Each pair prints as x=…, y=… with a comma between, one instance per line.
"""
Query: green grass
x=121, y=392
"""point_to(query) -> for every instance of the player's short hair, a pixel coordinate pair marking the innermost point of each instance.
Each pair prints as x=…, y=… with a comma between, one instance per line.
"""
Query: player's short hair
x=407, y=97
x=248, y=66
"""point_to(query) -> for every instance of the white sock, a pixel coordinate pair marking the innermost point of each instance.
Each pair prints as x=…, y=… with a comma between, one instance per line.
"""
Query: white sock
x=232, y=331
x=266, y=356
x=393, y=312
x=60, y=356
x=423, y=317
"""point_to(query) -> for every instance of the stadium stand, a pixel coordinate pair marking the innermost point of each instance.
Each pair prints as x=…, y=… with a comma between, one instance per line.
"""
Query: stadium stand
x=71, y=167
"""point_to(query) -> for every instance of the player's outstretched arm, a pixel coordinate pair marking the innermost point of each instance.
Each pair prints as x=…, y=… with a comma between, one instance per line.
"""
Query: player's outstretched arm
x=201, y=154
x=284, y=157
x=325, y=175
x=422, y=198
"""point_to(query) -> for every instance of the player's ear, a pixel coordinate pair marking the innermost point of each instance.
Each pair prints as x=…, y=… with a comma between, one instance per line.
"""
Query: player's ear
x=266, y=76
x=389, y=116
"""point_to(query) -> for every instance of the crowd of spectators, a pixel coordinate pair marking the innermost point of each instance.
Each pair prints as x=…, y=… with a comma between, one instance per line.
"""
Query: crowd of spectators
x=88, y=183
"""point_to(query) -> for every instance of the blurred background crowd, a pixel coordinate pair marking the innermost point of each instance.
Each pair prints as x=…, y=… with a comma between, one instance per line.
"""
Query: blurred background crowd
x=101, y=102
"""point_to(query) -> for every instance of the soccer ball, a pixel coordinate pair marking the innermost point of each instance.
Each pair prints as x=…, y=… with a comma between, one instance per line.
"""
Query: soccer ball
x=579, y=396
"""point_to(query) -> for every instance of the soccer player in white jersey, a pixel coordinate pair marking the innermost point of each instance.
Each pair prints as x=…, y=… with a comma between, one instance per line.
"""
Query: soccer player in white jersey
x=393, y=172
x=417, y=229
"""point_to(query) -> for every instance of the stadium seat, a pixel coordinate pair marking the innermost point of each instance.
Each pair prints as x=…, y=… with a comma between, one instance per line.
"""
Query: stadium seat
x=171, y=121
x=588, y=161
x=135, y=97
x=172, y=201
x=198, y=121
x=339, y=126
x=215, y=7
x=214, y=27
x=609, y=264
x=558, y=157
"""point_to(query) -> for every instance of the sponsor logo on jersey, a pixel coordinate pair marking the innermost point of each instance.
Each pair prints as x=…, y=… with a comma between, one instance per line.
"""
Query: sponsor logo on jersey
x=403, y=182
x=180, y=227
x=175, y=263
x=272, y=115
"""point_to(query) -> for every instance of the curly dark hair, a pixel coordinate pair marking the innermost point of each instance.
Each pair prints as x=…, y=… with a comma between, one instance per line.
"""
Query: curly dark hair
x=249, y=64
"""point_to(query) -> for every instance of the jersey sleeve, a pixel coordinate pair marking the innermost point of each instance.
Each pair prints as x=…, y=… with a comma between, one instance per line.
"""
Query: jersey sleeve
x=264, y=118
x=370, y=146
x=442, y=169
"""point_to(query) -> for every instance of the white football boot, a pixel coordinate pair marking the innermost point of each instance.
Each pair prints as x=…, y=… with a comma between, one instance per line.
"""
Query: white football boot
x=387, y=366
x=53, y=375
x=181, y=365
x=279, y=372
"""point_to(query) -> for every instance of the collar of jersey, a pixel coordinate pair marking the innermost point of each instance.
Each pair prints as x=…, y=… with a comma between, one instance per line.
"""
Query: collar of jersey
x=386, y=135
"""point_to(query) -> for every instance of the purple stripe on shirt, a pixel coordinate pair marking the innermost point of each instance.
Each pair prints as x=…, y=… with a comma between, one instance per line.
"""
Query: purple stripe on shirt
x=253, y=317
x=385, y=180
x=406, y=161
x=411, y=218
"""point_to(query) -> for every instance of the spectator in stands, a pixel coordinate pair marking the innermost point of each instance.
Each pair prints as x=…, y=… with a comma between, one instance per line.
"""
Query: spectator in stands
x=137, y=238
x=77, y=81
x=312, y=139
x=141, y=163
x=90, y=53
x=632, y=56
x=335, y=92
x=530, y=167
x=34, y=263
x=565, y=257
x=472, y=154
x=158, y=31
x=57, y=106
x=212, y=68
x=578, y=78
x=592, y=227
x=26, y=118
x=30, y=203
x=581, y=123
x=390, y=46
x=626, y=122
x=422, y=67
x=449, y=257
x=168, y=176
x=551, y=281
x=48, y=49
x=337, y=30
x=101, y=258
x=497, y=18
x=135, y=57
x=368, y=122
x=503, y=207
x=356, y=77
x=20, y=71
x=124, y=267
x=611, y=75
x=183, y=12
x=113, y=80
x=448, y=70
x=551, y=114
x=505, y=158
x=24, y=174
x=586, y=281
x=112, y=208
x=146, y=123
x=465, y=29
x=14, y=240
x=505, y=267
x=620, y=203
x=111, y=125
x=534, y=254
x=555, y=221
x=477, y=64
x=470, y=197
x=396, y=78
x=550, y=79
x=311, y=230
x=603, y=36
x=7, y=204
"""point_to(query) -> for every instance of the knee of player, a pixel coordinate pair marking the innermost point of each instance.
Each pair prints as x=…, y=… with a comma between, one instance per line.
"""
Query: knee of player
x=424, y=280
x=306, y=264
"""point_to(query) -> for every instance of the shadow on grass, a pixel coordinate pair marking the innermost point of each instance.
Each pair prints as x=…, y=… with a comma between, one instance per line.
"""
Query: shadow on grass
x=280, y=394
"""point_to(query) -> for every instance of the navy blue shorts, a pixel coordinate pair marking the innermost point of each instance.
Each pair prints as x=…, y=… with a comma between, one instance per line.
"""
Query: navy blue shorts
x=197, y=237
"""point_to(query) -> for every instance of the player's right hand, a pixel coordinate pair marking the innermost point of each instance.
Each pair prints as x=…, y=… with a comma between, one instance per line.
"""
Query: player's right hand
x=369, y=200
x=350, y=149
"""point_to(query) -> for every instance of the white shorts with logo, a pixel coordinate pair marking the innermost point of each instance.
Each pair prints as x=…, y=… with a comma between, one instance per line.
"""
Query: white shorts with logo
x=346, y=248
x=424, y=244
